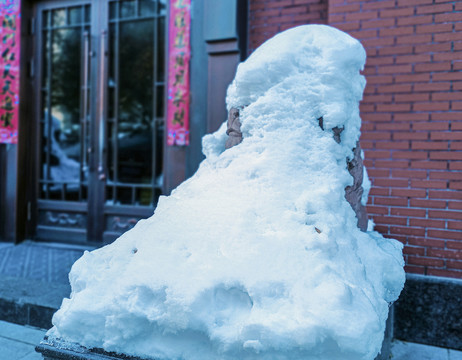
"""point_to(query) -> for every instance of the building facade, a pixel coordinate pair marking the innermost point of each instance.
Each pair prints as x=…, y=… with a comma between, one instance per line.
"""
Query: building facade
x=92, y=155
x=411, y=113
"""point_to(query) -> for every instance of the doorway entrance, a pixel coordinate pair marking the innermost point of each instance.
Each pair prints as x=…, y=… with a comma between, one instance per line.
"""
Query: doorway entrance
x=99, y=115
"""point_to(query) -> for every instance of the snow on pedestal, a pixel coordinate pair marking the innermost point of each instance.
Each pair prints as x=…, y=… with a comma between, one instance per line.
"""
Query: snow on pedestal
x=258, y=255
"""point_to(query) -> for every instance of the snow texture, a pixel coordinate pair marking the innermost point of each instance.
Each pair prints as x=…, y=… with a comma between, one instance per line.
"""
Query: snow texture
x=258, y=255
x=366, y=184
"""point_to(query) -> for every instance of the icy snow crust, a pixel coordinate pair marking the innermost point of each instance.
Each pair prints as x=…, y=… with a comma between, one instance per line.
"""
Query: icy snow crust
x=257, y=256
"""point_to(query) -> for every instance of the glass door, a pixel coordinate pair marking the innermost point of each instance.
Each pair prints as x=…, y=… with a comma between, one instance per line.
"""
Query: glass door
x=100, y=111
x=63, y=59
x=135, y=112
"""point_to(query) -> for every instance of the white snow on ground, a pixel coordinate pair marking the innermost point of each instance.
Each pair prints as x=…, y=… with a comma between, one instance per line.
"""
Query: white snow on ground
x=257, y=256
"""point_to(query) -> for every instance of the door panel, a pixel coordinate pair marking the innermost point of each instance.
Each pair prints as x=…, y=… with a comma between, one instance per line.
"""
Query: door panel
x=135, y=88
x=101, y=99
x=63, y=88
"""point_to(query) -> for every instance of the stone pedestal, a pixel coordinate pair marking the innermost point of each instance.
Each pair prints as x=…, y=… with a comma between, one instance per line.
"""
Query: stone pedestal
x=429, y=311
x=55, y=349
x=385, y=352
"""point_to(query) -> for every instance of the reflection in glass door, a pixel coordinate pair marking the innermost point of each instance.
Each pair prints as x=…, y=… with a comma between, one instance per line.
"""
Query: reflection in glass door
x=135, y=102
x=101, y=94
x=64, y=103
x=135, y=112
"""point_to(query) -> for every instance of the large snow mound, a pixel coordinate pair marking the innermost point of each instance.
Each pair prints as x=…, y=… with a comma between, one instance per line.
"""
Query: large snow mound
x=258, y=255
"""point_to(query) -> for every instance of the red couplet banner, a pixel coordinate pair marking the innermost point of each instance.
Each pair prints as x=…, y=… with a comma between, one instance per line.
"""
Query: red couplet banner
x=179, y=54
x=10, y=30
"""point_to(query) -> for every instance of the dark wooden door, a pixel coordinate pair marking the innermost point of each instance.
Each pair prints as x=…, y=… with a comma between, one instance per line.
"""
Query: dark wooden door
x=99, y=100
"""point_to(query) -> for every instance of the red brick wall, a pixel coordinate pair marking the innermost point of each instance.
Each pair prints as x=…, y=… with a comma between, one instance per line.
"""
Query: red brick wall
x=269, y=17
x=412, y=118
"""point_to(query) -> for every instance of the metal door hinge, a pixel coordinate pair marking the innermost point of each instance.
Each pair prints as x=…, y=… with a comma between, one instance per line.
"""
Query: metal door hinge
x=32, y=26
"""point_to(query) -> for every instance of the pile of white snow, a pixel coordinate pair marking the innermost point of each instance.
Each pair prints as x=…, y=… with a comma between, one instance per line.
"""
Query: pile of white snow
x=258, y=255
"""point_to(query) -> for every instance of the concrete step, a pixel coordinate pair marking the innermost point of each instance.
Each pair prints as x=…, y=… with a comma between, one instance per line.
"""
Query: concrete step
x=34, y=280
x=30, y=302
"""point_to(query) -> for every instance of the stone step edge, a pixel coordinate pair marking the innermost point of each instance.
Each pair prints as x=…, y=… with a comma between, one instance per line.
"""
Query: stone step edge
x=30, y=302
x=38, y=316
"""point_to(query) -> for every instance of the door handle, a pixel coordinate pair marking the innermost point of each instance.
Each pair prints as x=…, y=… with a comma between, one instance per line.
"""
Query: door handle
x=86, y=53
x=102, y=116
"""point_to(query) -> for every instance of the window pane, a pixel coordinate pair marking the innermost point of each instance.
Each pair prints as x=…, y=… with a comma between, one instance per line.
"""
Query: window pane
x=162, y=7
x=147, y=7
x=59, y=17
x=160, y=101
x=75, y=15
x=87, y=13
x=161, y=49
x=61, y=130
x=127, y=8
x=113, y=9
x=144, y=196
x=46, y=18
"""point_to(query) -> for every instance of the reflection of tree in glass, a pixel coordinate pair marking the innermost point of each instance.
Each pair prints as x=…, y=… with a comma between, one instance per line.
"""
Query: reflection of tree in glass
x=136, y=82
x=65, y=81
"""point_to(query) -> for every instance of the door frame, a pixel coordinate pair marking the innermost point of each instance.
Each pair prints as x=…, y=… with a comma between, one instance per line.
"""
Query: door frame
x=98, y=144
x=174, y=157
